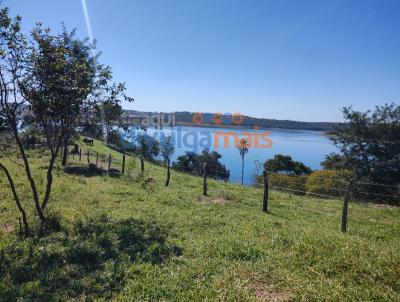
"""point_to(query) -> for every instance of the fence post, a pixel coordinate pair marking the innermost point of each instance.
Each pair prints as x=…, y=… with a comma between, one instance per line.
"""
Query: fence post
x=80, y=154
x=141, y=164
x=109, y=163
x=73, y=155
x=97, y=158
x=265, y=200
x=123, y=164
x=205, y=178
x=168, y=172
x=346, y=206
x=88, y=158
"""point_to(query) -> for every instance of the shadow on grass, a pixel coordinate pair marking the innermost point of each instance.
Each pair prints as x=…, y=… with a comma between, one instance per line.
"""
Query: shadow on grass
x=88, y=262
x=87, y=171
x=90, y=171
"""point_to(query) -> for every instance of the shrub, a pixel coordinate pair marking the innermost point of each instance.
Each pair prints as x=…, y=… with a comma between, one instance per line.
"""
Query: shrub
x=280, y=181
x=296, y=183
x=284, y=164
x=326, y=182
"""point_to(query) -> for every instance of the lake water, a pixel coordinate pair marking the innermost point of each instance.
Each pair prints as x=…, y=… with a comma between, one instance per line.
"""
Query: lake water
x=308, y=147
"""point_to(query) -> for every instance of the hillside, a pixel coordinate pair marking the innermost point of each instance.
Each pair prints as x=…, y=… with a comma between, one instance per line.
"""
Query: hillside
x=191, y=248
x=186, y=118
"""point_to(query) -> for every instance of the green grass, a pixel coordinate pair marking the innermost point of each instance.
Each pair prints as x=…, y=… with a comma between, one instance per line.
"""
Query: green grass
x=229, y=251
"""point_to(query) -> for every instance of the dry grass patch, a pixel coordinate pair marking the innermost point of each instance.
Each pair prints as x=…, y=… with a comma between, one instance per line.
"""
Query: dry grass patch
x=264, y=292
x=6, y=228
x=217, y=200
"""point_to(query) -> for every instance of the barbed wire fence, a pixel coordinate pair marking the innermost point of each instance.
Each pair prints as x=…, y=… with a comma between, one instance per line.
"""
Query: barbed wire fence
x=103, y=162
x=347, y=190
x=334, y=188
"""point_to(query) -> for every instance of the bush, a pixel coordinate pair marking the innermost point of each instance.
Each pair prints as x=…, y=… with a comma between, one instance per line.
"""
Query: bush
x=284, y=164
x=327, y=182
x=295, y=183
x=193, y=163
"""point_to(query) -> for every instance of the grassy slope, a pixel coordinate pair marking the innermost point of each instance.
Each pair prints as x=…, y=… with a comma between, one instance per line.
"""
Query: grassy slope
x=233, y=251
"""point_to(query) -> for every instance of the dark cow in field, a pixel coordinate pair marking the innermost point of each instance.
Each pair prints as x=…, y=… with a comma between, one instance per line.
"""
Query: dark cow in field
x=88, y=141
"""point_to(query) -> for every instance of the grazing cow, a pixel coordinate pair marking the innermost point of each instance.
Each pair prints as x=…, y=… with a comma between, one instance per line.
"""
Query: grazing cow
x=88, y=141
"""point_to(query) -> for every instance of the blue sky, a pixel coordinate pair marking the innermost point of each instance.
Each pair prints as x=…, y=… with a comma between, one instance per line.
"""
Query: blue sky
x=300, y=60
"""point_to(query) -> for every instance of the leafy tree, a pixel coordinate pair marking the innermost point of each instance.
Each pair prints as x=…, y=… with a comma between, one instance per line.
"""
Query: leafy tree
x=149, y=148
x=243, y=147
x=12, y=55
x=167, y=149
x=369, y=143
x=369, y=146
x=284, y=164
x=193, y=163
x=59, y=77
x=334, y=162
x=50, y=77
x=189, y=162
x=106, y=114
x=215, y=168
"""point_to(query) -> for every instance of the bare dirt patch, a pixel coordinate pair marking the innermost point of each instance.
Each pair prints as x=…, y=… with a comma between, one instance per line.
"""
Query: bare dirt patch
x=264, y=292
x=383, y=205
x=6, y=228
x=218, y=200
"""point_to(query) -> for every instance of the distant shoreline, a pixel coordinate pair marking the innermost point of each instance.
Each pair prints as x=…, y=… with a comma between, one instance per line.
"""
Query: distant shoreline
x=238, y=127
x=185, y=118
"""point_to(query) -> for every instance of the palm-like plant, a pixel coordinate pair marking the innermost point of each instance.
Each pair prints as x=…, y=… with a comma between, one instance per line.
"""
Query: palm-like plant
x=243, y=147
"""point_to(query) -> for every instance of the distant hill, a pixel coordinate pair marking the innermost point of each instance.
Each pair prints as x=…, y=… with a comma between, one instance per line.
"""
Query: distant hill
x=186, y=118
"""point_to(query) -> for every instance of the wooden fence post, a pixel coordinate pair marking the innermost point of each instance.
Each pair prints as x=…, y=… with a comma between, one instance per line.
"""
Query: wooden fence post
x=168, y=172
x=205, y=179
x=109, y=163
x=123, y=164
x=80, y=154
x=346, y=206
x=97, y=158
x=141, y=164
x=88, y=157
x=265, y=200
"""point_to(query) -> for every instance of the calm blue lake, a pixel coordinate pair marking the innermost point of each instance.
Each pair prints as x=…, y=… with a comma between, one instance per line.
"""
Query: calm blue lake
x=308, y=147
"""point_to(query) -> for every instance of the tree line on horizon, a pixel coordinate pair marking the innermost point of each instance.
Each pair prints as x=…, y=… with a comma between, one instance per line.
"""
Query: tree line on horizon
x=186, y=118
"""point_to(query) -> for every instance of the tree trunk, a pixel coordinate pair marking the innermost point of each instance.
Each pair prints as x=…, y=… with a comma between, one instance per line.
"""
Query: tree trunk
x=29, y=174
x=49, y=182
x=50, y=176
x=16, y=198
x=65, y=153
x=168, y=174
